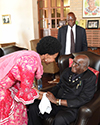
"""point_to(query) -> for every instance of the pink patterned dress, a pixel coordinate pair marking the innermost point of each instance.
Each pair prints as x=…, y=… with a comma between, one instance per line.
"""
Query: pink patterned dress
x=16, y=91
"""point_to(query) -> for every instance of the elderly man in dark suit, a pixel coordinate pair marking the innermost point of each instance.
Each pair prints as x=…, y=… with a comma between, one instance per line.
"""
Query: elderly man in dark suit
x=76, y=88
x=79, y=36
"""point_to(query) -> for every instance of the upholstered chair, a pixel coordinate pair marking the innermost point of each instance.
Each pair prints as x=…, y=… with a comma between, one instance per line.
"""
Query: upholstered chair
x=9, y=49
x=89, y=114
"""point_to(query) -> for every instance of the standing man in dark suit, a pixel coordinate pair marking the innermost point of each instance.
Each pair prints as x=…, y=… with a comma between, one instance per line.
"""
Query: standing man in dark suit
x=76, y=88
x=64, y=36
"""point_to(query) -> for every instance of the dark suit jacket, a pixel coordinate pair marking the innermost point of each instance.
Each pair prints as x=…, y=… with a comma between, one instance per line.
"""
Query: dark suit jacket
x=77, y=93
x=81, y=41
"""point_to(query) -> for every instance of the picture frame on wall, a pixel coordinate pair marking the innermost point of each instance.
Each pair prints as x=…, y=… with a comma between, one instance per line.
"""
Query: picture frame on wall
x=92, y=24
x=91, y=8
x=6, y=19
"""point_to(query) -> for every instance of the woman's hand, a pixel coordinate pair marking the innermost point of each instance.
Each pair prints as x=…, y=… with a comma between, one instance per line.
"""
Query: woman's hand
x=40, y=93
x=51, y=97
x=36, y=89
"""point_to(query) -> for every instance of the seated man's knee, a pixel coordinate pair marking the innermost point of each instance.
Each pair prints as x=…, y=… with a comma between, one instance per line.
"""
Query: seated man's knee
x=65, y=117
x=59, y=120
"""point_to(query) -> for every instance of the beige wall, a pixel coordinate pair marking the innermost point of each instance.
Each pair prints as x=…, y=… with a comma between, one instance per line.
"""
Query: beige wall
x=24, y=20
x=35, y=19
x=24, y=26
x=77, y=7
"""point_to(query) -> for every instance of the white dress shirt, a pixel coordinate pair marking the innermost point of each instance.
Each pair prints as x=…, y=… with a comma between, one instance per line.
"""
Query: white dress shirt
x=68, y=39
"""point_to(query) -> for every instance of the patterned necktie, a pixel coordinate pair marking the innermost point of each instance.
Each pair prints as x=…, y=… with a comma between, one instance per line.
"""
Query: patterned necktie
x=72, y=42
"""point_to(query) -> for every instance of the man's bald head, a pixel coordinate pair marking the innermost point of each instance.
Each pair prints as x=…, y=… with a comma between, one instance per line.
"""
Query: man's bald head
x=80, y=64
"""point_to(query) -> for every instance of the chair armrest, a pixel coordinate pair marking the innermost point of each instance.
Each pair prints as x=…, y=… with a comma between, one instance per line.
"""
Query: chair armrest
x=87, y=111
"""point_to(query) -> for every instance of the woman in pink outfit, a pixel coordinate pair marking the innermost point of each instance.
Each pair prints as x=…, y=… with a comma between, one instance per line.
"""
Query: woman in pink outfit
x=17, y=72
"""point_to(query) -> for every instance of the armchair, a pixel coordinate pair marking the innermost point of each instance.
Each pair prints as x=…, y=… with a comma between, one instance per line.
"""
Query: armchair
x=9, y=49
x=89, y=114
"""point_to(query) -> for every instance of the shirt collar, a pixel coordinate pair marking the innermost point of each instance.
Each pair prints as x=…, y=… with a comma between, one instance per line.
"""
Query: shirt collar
x=74, y=27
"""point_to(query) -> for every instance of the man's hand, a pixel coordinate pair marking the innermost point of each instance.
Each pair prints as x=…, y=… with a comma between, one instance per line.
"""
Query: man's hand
x=51, y=97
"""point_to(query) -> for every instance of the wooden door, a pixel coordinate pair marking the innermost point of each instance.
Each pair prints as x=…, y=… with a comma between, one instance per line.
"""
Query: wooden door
x=50, y=12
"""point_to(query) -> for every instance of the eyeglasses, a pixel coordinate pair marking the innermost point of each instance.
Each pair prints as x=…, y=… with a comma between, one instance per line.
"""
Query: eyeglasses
x=72, y=20
x=75, y=63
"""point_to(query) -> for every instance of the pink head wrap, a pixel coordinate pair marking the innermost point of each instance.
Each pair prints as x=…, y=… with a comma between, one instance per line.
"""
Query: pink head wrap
x=8, y=61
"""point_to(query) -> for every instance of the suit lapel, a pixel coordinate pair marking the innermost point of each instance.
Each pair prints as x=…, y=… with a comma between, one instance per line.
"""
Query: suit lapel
x=65, y=33
x=77, y=34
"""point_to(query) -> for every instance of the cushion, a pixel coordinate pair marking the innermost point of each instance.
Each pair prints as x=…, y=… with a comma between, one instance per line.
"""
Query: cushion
x=90, y=68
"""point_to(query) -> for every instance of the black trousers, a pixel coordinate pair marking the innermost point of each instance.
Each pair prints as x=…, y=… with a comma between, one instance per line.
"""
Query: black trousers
x=63, y=115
